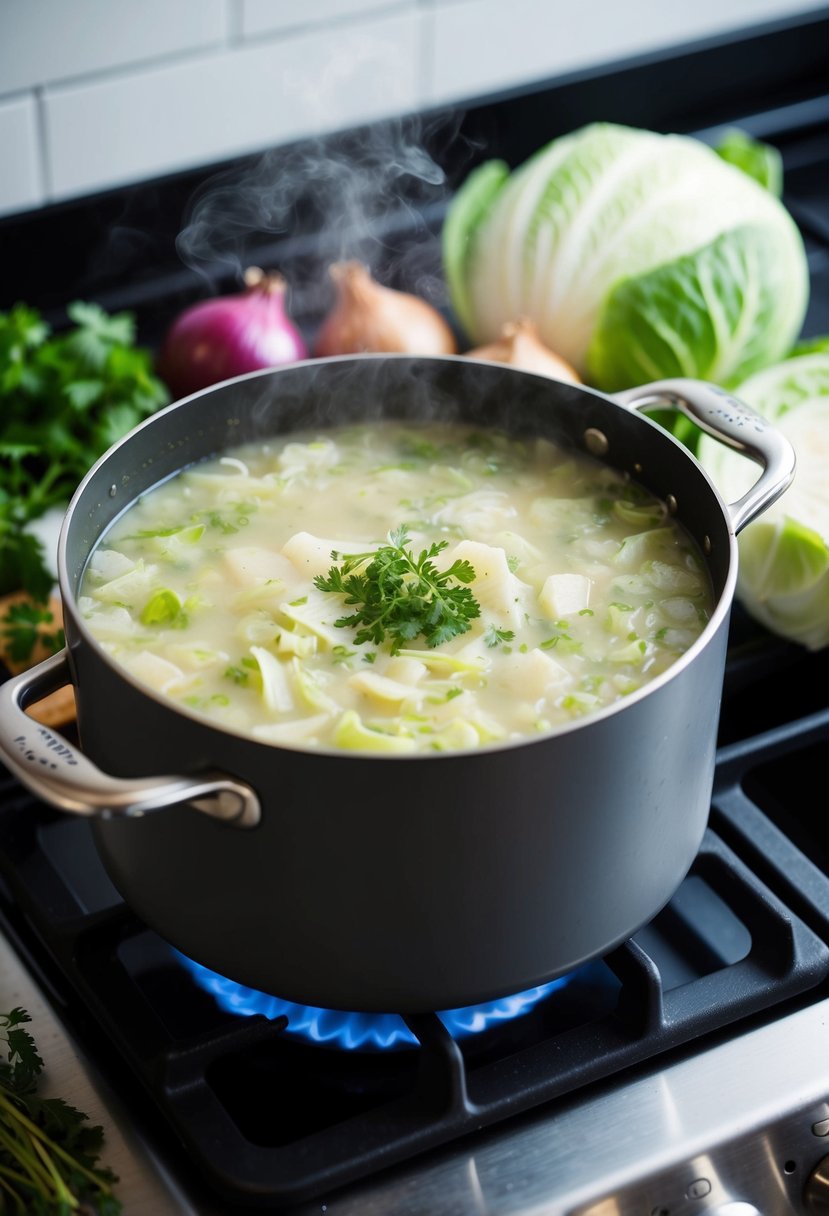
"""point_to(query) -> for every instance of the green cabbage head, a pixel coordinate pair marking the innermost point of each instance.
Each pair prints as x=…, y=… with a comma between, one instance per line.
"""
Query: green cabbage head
x=783, y=568
x=638, y=256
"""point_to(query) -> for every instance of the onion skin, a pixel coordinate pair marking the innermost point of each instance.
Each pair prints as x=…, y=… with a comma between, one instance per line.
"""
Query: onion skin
x=217, y=339
x=521, y=346
x=369, y=317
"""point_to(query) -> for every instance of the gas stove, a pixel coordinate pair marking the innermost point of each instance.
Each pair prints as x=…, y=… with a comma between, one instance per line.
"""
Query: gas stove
x=685, y=1072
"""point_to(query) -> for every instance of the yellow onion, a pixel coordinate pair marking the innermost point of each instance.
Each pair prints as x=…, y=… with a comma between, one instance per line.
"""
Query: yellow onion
x=369, y=317
x=521, y=346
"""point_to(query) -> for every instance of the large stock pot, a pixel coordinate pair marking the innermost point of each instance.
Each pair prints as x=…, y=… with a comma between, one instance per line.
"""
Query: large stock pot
x=414, y=882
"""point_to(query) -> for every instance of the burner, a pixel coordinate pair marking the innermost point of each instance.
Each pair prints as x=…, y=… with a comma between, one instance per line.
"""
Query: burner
x=360, y=1031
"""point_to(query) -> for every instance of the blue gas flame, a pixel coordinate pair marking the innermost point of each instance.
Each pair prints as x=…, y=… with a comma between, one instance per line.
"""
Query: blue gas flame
x=360, y=1031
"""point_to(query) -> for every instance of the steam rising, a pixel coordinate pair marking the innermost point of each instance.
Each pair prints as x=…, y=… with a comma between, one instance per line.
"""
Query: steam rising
x=367, y=194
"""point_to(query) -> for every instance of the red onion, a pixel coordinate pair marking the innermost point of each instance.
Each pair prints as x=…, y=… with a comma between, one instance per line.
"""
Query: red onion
x=229, y=335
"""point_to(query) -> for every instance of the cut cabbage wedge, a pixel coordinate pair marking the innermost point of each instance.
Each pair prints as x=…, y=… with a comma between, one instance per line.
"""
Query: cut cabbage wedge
x=783, y=572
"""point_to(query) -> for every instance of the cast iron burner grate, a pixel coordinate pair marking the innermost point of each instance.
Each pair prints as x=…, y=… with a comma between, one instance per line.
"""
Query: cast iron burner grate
x=269, y=1121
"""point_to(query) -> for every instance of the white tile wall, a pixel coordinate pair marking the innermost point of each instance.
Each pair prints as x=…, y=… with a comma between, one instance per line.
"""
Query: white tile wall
x=42, y=41
x=484, y=45
x=21, y=186
x=205, y=109
x=98, y=93
x=274, y=16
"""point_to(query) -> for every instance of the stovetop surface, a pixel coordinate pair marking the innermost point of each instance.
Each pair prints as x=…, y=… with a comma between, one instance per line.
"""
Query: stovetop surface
x=250, y=1114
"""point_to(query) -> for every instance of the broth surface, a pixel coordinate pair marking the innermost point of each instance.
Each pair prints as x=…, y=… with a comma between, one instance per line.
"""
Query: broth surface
x=215, y=588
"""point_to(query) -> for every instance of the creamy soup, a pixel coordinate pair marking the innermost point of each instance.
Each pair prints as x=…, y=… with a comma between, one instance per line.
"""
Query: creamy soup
x=394, y=588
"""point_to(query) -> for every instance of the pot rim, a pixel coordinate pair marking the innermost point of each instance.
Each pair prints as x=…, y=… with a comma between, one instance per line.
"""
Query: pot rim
x=719, y=615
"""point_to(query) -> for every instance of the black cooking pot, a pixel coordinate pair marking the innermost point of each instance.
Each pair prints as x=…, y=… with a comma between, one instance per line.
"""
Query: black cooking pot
x=414, y=882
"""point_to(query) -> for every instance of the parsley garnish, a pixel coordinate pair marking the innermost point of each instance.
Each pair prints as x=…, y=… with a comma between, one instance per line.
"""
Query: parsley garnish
x=494, y=636
x=401, y=595
x=48, y=1149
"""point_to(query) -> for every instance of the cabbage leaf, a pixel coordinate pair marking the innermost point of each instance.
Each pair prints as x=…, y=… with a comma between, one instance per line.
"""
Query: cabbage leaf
x=759, y=160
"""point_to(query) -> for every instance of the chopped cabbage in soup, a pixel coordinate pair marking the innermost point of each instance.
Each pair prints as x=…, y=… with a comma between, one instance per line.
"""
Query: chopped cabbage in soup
x=392, y=588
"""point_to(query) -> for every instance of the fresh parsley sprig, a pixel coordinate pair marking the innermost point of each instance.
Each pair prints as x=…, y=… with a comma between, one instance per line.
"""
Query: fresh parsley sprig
x=48, y=1150
x=402, y=596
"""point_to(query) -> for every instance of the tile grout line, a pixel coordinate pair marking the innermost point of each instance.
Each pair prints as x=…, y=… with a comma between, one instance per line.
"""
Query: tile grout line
x=234, y=24
x=425, y=53
x=43, y=148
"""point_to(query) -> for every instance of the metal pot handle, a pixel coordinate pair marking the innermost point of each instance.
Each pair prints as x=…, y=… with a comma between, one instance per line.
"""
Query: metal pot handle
x=733, y=422
x=53, y=770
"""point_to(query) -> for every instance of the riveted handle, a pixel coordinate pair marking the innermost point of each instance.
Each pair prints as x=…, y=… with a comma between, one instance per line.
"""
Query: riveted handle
x=53, y=769
x=722, y=415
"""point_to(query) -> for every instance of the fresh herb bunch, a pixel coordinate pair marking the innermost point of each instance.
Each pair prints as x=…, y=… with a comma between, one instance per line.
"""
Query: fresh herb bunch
x=402, y=595
x=48, y=1150
x=64, y=399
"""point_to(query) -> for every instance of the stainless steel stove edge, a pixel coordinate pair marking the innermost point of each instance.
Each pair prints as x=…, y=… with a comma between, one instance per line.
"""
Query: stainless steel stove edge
x=745, y=1122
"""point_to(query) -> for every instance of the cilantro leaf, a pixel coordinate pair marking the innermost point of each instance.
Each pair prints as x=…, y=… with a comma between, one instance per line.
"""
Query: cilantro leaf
x=82, y=393
x=401, y=595
x=97, y=333
x=20, y=1045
